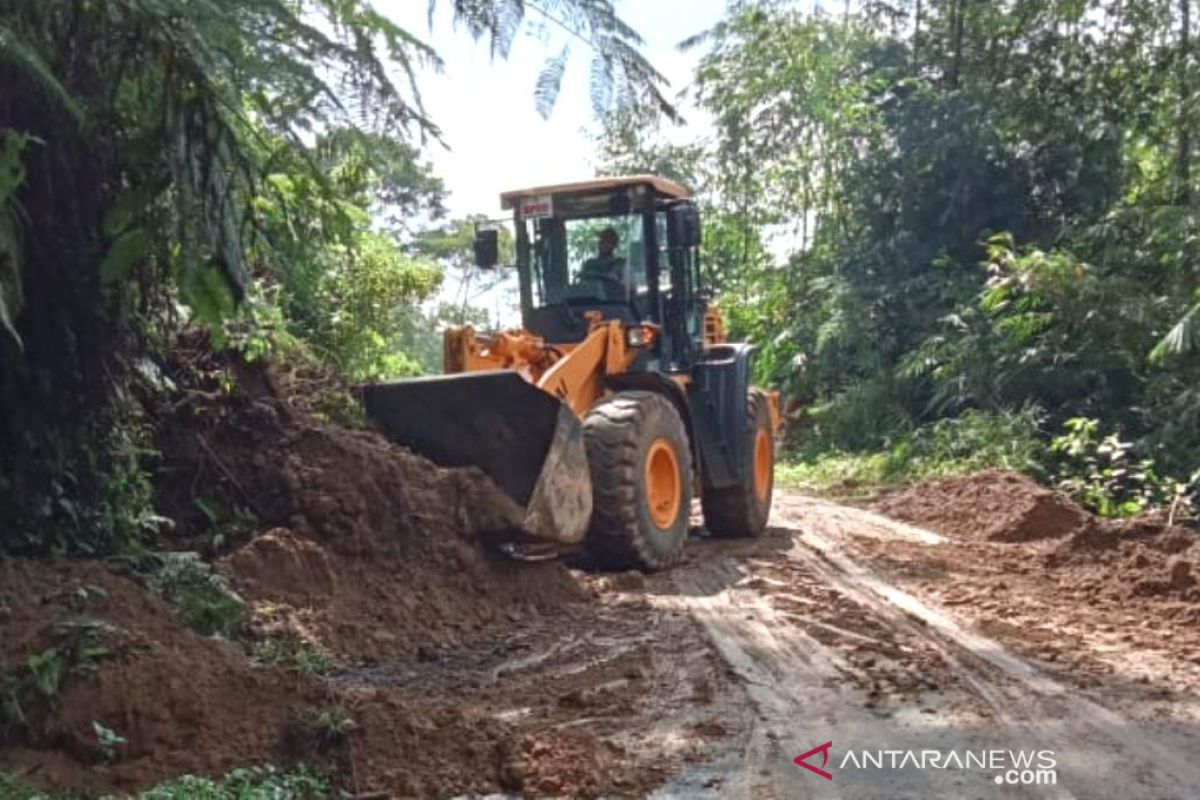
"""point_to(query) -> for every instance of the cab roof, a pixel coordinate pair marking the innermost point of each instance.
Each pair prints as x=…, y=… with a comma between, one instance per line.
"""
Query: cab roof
x=595, y=186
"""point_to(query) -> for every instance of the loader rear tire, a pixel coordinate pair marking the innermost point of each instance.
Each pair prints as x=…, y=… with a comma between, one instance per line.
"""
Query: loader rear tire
x=641, y=470
x=741, y=511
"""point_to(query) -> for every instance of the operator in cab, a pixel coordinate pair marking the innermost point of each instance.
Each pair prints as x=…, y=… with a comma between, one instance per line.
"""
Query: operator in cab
x=606, y=267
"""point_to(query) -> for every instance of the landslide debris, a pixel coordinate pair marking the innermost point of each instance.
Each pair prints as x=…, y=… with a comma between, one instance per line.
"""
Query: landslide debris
x=994, y=505
x=1143, y=558
x=348, y=552
x=377, y=549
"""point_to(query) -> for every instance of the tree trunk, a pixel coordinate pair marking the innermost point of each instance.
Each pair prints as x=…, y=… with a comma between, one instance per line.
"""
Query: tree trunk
x=956, y=32
x=1183, y=163
x=916, y=40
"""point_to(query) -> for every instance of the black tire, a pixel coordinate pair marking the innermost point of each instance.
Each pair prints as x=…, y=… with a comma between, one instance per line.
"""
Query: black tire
x=742, y=511
x=621, y=433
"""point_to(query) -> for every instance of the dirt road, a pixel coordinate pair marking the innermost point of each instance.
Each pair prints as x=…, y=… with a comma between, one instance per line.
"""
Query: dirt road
x=837, y=628
x=905, y=663
x=847, y=627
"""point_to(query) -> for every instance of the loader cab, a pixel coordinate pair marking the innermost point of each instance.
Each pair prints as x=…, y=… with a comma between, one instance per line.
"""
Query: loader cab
x=652, y=274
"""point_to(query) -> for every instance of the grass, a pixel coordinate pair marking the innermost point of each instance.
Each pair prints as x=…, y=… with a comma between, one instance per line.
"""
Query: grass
x=250, y=783
x=287, y=653
x=253, y=783
x=972, y=442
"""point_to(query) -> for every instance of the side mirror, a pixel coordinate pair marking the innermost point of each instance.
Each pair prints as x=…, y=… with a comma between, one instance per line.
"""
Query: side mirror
x=685, y=225
x=487, y=248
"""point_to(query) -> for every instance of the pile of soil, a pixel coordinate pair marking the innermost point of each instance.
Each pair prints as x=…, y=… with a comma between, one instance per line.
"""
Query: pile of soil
x=376, y=551
x=359, y=550
x=995, y=505
x=1138, y=559
x=182, y=702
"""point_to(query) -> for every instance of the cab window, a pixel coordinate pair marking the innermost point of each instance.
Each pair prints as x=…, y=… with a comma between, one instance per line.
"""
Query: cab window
x=571, y=260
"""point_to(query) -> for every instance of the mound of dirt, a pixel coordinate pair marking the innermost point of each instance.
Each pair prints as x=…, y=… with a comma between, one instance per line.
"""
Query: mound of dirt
x=1142, y=558
x=402, y=536
x=1138, y=558
x=281, y=565
x=358, y=549
x=121, y=659
x=994, y=505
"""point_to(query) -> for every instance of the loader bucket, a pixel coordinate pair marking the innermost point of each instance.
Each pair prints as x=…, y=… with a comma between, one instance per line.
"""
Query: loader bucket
x=529, y=443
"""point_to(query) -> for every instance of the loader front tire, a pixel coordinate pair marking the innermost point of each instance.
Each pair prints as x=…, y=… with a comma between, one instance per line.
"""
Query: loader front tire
x=641, y=470
x=741, y=511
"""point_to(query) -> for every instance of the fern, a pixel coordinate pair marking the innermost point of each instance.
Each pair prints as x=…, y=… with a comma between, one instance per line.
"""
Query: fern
x=549, y=82
x=1182, y=338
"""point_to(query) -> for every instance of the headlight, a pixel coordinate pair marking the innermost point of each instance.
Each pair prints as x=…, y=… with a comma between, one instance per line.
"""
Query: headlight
x=640, y=335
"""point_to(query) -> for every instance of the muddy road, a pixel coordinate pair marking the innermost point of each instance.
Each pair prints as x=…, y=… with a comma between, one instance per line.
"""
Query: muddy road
x=935, y=667
x=848, y=627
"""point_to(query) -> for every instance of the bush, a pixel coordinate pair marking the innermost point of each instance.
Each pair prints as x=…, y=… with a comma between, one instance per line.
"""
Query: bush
x=1106, y=475
x=968, y=443
x=863, y=416
x=252, y=783
x=199, y=596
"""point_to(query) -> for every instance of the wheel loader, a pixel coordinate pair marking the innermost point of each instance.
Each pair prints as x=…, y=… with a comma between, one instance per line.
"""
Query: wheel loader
x=618, y=400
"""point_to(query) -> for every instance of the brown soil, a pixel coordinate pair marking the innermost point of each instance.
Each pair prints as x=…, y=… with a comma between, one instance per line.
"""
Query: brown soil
x=368, y=554
x=401, y=535
x=995, y=505
x=458, y=671
x=183, y=703
x=1118, y=560
x=1091, y=598
x=1138, y=558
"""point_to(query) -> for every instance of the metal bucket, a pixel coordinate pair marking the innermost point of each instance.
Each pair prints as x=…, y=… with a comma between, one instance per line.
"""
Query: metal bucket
x=526, y=441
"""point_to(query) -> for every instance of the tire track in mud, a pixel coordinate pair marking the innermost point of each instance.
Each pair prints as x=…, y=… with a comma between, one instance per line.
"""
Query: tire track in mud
x=827, y=649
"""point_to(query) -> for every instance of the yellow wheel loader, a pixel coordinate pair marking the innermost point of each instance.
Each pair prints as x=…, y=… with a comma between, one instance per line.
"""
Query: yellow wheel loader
x=618, y=401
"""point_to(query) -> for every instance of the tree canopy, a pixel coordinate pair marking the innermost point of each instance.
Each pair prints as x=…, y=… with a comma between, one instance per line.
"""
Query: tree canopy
x=166, y=161
x=965, y=206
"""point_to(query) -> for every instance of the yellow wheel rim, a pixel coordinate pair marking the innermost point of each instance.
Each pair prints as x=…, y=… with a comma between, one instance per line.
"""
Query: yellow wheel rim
x=664, y=488
x=762, y=464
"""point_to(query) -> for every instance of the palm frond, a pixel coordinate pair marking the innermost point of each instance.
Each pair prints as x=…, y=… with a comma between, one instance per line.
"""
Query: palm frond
x=620, y=75
x=549, y=82
x=19, y=54
x=1182, y=338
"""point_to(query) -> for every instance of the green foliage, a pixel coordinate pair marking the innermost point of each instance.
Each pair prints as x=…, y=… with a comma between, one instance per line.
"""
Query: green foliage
x=1105, y=474
x=119, y=517
x=452, y=244
x=250, y=783
x=301, y=656
x=954, y=446
x=253, y=783
x=200, y=596
x=367, y=292
x=12, y=174
x=862, y=416
x=987, y=206
x=226, y=523
x=164, y=161
x=325, y=727
x=629, y=143
x=108, y=740
x=80, y=645
x=345, y=287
